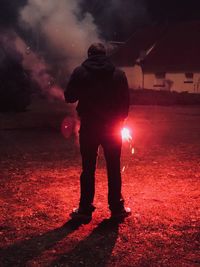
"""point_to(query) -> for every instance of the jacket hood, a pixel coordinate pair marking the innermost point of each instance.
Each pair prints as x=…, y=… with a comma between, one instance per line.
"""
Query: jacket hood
x=99, y=64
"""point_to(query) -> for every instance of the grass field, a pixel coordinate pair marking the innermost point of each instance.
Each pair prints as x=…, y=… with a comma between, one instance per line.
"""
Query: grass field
x=40, y=186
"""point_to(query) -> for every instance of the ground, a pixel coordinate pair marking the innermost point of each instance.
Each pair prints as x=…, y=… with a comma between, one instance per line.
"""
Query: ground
x=40, y=186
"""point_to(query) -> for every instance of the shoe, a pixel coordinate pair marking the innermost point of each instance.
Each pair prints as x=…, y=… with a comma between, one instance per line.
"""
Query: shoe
x=122, y=214
x=81, y=216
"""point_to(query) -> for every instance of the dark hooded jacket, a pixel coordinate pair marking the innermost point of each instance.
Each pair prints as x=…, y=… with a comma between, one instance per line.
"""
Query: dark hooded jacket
x=100, y=89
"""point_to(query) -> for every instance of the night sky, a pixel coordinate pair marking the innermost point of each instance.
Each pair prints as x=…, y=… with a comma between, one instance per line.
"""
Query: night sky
x=116, y=19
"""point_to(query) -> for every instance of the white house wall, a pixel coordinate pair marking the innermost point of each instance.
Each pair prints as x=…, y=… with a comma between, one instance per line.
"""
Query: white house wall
x=197, y=82
x=135, y=79
x=178, y=82
x=135, y=76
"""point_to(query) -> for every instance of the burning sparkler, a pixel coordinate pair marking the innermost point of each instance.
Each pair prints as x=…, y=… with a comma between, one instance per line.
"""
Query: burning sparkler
x=127, y=137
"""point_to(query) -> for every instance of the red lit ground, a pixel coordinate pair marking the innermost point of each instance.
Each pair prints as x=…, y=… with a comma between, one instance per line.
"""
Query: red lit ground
x=40, y=185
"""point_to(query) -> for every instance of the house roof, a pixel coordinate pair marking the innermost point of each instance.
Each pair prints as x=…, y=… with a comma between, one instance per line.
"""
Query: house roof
x=177, y=50
x=141, y=40
x=175, y=47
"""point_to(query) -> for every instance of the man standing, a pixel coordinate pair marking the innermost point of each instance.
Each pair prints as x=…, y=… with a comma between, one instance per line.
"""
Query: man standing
x=103, y=103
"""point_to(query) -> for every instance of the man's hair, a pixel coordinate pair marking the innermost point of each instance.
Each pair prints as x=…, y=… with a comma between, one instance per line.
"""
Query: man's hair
x=96, y=49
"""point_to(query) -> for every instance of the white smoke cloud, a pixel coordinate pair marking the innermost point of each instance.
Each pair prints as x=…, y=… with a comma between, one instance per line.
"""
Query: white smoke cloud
x=68, y=32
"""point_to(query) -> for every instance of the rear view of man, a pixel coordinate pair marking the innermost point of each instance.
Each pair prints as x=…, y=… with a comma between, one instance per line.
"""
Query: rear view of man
x=103, y=102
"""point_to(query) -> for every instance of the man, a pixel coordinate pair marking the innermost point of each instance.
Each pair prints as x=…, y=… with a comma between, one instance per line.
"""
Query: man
x=103, y=102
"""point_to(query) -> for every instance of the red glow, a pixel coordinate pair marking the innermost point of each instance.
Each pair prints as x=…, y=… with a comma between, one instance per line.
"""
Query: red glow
x=67, y=127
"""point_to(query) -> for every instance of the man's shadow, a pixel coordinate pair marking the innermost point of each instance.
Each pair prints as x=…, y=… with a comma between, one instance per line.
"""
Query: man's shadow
x=93, y=251
x=20, y=253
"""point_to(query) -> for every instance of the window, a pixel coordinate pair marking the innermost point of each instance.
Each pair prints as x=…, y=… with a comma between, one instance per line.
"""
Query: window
x=160, y=79
x=189, y=77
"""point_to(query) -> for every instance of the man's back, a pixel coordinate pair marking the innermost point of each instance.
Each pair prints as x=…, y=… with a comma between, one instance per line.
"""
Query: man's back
x=100, y=88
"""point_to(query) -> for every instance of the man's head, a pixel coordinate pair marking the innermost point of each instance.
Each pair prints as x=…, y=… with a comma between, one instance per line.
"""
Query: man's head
x=96, y=49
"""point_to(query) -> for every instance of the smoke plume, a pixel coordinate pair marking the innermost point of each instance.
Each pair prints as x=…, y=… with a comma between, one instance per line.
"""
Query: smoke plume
x=63, y=31
x=68, y=32
x=39, y=70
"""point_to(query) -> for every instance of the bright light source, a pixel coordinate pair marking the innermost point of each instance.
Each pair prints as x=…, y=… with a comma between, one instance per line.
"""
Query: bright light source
x=126, y=135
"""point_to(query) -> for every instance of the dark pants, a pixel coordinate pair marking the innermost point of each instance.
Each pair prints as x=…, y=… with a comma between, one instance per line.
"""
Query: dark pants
x=108, y=136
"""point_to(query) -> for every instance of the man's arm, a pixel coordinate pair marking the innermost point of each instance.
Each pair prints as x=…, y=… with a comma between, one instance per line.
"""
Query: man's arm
x=123, y=94
x=72, y=91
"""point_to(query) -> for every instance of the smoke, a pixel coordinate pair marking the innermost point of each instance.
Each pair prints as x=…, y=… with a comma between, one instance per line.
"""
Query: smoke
x=66, y=30
x=63, y=34
x=14, y=49
x=8, y=50
x=39, y=70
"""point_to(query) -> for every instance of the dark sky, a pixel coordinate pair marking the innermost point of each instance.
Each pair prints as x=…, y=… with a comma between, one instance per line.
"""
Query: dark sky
x=119, y=20
x=9, y=11
x=174, y=9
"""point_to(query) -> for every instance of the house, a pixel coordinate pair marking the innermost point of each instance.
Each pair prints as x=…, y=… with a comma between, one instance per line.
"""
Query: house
x=163, y=58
